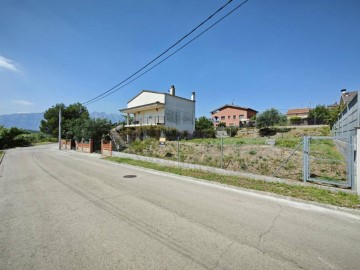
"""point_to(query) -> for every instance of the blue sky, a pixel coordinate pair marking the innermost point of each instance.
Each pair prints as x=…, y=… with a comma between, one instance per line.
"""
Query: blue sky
x=281, y=53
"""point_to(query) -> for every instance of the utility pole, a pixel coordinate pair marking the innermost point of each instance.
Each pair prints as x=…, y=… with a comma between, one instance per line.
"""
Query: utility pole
x=59, y=128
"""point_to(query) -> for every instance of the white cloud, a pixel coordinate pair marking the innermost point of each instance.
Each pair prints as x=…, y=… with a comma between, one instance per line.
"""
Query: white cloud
x=8, y=64
x=22, y=102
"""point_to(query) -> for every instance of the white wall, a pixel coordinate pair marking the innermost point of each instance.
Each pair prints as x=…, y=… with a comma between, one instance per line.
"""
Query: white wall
x=146, y=98
x=179, y=113
x=153, y=113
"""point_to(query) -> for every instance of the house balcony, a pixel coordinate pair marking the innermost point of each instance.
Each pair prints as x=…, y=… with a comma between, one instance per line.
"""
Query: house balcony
x=149, y=114
x=147, y=121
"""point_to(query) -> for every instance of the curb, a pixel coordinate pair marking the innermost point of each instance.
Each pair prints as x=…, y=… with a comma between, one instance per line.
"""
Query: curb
x=2, y=157
x=226, y=172
x=349, y=211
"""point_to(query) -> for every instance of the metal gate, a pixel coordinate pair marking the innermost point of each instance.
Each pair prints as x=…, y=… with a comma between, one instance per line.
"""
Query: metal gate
x=329, y=160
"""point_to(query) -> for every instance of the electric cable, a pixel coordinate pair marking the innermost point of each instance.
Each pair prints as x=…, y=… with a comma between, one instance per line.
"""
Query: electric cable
x=164, y=52
x=118, y=87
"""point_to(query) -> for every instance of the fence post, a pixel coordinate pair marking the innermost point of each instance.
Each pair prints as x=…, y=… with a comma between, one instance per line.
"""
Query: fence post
x=178, y=149
x=111, y=148
x=357, y=163
x=222, y=152
x=305, y=159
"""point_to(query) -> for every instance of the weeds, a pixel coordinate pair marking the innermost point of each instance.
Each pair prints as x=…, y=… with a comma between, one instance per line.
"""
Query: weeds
x=252, y=154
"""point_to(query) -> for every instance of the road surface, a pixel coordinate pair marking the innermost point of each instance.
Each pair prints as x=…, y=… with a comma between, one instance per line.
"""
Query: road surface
x=68, y=210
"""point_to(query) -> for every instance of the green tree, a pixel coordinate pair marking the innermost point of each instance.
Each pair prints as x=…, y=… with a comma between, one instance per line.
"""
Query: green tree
x=95, y=129
x=73, y=129
x=334, y=114
x=76, y=111
x=13, y=137
x=203, y=123
x=50, y=124
x=270, y=117
x=319, y=115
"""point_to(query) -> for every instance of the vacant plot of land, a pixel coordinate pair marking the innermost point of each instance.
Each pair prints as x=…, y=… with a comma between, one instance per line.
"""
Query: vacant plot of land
x=250, y=155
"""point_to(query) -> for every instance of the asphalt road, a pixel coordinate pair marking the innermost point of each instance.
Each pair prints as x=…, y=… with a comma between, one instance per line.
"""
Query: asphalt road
x=67, y=210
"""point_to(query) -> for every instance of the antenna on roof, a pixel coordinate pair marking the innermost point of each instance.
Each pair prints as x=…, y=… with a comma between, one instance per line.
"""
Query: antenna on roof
x=232, y=103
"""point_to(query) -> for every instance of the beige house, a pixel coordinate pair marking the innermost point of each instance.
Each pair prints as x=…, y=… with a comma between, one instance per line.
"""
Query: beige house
x=303, y=113
x=156, y=108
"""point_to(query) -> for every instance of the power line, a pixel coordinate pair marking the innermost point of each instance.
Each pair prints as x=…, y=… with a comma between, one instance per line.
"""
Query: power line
x=117, y=88
x=164, y=52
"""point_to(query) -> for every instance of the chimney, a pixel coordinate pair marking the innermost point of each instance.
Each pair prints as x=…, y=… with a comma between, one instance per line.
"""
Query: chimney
x=193, y=96
x=343, y=91
x=172, y=90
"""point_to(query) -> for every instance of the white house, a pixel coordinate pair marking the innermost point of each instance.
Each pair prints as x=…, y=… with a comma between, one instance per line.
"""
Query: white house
x=155, y=108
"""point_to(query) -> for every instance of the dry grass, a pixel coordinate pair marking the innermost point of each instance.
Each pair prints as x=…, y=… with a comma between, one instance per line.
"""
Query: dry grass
x=252, y=155
x=257, y=159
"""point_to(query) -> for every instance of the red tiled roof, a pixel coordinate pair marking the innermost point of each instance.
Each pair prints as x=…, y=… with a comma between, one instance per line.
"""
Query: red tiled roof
x=232, y=106
x=298, y=111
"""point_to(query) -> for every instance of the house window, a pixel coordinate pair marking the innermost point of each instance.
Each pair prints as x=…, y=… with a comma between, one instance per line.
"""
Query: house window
x=241, y=116
x=222, y=117
x=228, y=116
x=234, y=116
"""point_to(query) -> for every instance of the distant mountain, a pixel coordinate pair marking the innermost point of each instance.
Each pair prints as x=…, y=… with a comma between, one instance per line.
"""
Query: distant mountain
x=32, y=121
x=113, y=117
x=29, y=121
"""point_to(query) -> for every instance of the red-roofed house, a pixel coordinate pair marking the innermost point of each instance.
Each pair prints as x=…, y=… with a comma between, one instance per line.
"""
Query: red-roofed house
x=302, y=113
x=232, y=115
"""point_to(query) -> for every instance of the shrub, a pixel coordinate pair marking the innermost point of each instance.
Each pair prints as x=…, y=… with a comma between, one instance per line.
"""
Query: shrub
x=295, y=120
x=267, y=131
x=10, y=137
x=171, y=134
x=23, y=140
x=252, y=152
x=287, y=142
x=232, y=131
x=271, y=131
x=209, y=133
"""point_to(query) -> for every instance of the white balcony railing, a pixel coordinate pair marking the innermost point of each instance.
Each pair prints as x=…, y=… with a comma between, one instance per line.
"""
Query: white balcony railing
x=147, y=121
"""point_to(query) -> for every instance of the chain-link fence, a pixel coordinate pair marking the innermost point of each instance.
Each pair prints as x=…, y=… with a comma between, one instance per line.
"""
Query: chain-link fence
x=278, y=158
x=329, y=160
